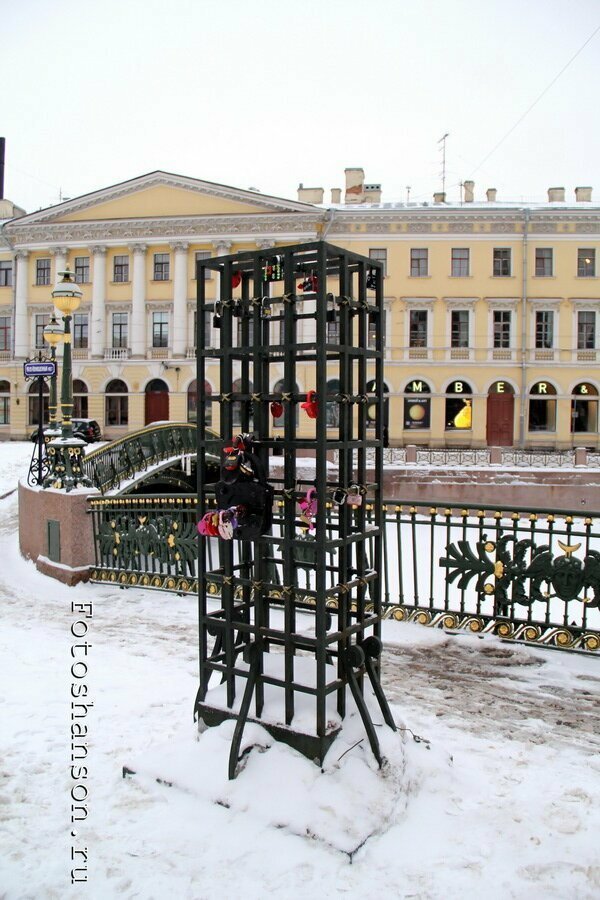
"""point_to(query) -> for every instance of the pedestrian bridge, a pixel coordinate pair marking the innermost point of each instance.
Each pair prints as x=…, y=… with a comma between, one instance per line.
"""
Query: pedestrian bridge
x=157, y=457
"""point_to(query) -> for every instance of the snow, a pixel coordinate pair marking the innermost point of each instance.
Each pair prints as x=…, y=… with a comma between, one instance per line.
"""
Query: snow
x=497, y=798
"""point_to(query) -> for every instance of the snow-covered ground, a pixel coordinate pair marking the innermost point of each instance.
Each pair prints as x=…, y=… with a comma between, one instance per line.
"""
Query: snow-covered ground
x=498, y=798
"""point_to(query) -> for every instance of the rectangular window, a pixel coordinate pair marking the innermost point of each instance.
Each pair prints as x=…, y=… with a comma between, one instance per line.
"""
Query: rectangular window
x=121, y=269
x=160, y=329
x=419, y=263
x=460, y=262
x=586, y=263
x=80, y=331
x=119, y=330
x=5, y=273
x=459, y=328
x=200, y=255
x=381, y=256
x=117, y=410
x=42, y=271
x=586, y=330
x=543, y=262
x=161, y=266
x=40, y=324
x=82, y=269
x=502, y=329
x=5, y=332
x=4, y=410
x=544, y=330
x=502, y=262
x=417, y=328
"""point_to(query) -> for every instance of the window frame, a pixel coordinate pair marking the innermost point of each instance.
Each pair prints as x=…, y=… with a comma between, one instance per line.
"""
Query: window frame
x=121, y=268
x=43, y=271
x=6, y=273
x=543, y=318
x=586, y=268
x=80, y=332
x=460, y=266
x=544, y=260
x=117, y=401
x=82, y=269
x=459, y=336
x=382, y=258
x=414, y=333
x=117, y=328
x=499, y=334
x=5, y=333
x=419, y=262
x=162, y=267
x=499, y=262
x=160, y=329
x=583, y=333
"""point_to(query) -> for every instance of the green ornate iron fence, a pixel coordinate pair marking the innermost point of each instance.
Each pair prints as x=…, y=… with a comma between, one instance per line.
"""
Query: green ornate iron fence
x=522, y=574
x=124, y=459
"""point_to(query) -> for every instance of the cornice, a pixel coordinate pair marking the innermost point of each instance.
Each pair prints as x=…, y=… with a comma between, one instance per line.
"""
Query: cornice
x=191, y=228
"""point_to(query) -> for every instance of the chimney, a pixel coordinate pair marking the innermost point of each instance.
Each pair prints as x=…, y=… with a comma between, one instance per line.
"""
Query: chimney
x=310, y=195
x=468, y=186
x=439, y=197
x=336, y=195
x=556, y=195
x=2, y=147
x=355, y=181
x=372, y=193
x=583, y=194
x=491, y=195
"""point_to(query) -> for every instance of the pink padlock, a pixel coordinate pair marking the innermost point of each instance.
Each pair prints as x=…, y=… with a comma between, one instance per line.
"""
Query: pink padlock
x=308, y=507
x=354, y=496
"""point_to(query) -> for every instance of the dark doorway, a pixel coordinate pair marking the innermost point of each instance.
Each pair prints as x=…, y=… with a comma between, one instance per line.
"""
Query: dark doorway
x=157, y=401
x=500, y=418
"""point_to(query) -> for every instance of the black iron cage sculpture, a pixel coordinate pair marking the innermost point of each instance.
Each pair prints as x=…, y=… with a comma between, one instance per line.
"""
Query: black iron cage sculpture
x=309, y=315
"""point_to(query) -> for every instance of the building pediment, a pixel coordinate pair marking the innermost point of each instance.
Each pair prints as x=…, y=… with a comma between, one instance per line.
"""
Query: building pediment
x=160, y=195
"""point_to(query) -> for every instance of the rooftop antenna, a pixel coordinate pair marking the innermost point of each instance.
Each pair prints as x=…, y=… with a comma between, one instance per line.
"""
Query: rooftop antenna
x=442, y=141
x=407, y=192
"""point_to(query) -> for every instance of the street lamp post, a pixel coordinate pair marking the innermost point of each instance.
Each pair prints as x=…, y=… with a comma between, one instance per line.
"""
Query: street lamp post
x=53, y=335
x=65, y=454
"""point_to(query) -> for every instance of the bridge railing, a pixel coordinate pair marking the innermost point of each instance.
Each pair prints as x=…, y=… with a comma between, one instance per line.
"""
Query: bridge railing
x=522, y=574
x=109, y=466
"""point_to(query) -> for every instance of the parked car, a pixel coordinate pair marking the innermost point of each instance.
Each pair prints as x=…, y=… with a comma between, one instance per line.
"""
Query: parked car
x=86, y=429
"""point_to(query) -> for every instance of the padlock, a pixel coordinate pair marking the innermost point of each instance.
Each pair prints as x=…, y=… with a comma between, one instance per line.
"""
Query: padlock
x=354, y=496
x=310, y=405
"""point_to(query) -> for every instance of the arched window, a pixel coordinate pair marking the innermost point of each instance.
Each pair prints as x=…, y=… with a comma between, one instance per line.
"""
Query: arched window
x=584, y=408
x=117, y=403
x=80, y=399
x=4, y=403
x=542, y=407
x=417, y=405
x=278, y=388
x=192, y=402
x=34, y=403
x=459, y=411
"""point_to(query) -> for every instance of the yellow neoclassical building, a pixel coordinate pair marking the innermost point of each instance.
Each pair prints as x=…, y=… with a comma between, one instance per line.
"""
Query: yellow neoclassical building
x=492, y=307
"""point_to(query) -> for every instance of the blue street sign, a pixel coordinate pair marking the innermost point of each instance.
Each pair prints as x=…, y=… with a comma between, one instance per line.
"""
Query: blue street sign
x=35, y=369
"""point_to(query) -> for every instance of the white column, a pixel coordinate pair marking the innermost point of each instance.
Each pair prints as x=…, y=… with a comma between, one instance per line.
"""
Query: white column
x=60, y=261
x=97, y=324
x=138, y=302
x=180, y=287
x=22, y=336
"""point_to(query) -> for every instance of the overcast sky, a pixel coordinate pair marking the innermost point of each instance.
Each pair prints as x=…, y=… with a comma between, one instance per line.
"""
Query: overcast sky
x=272, y=93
